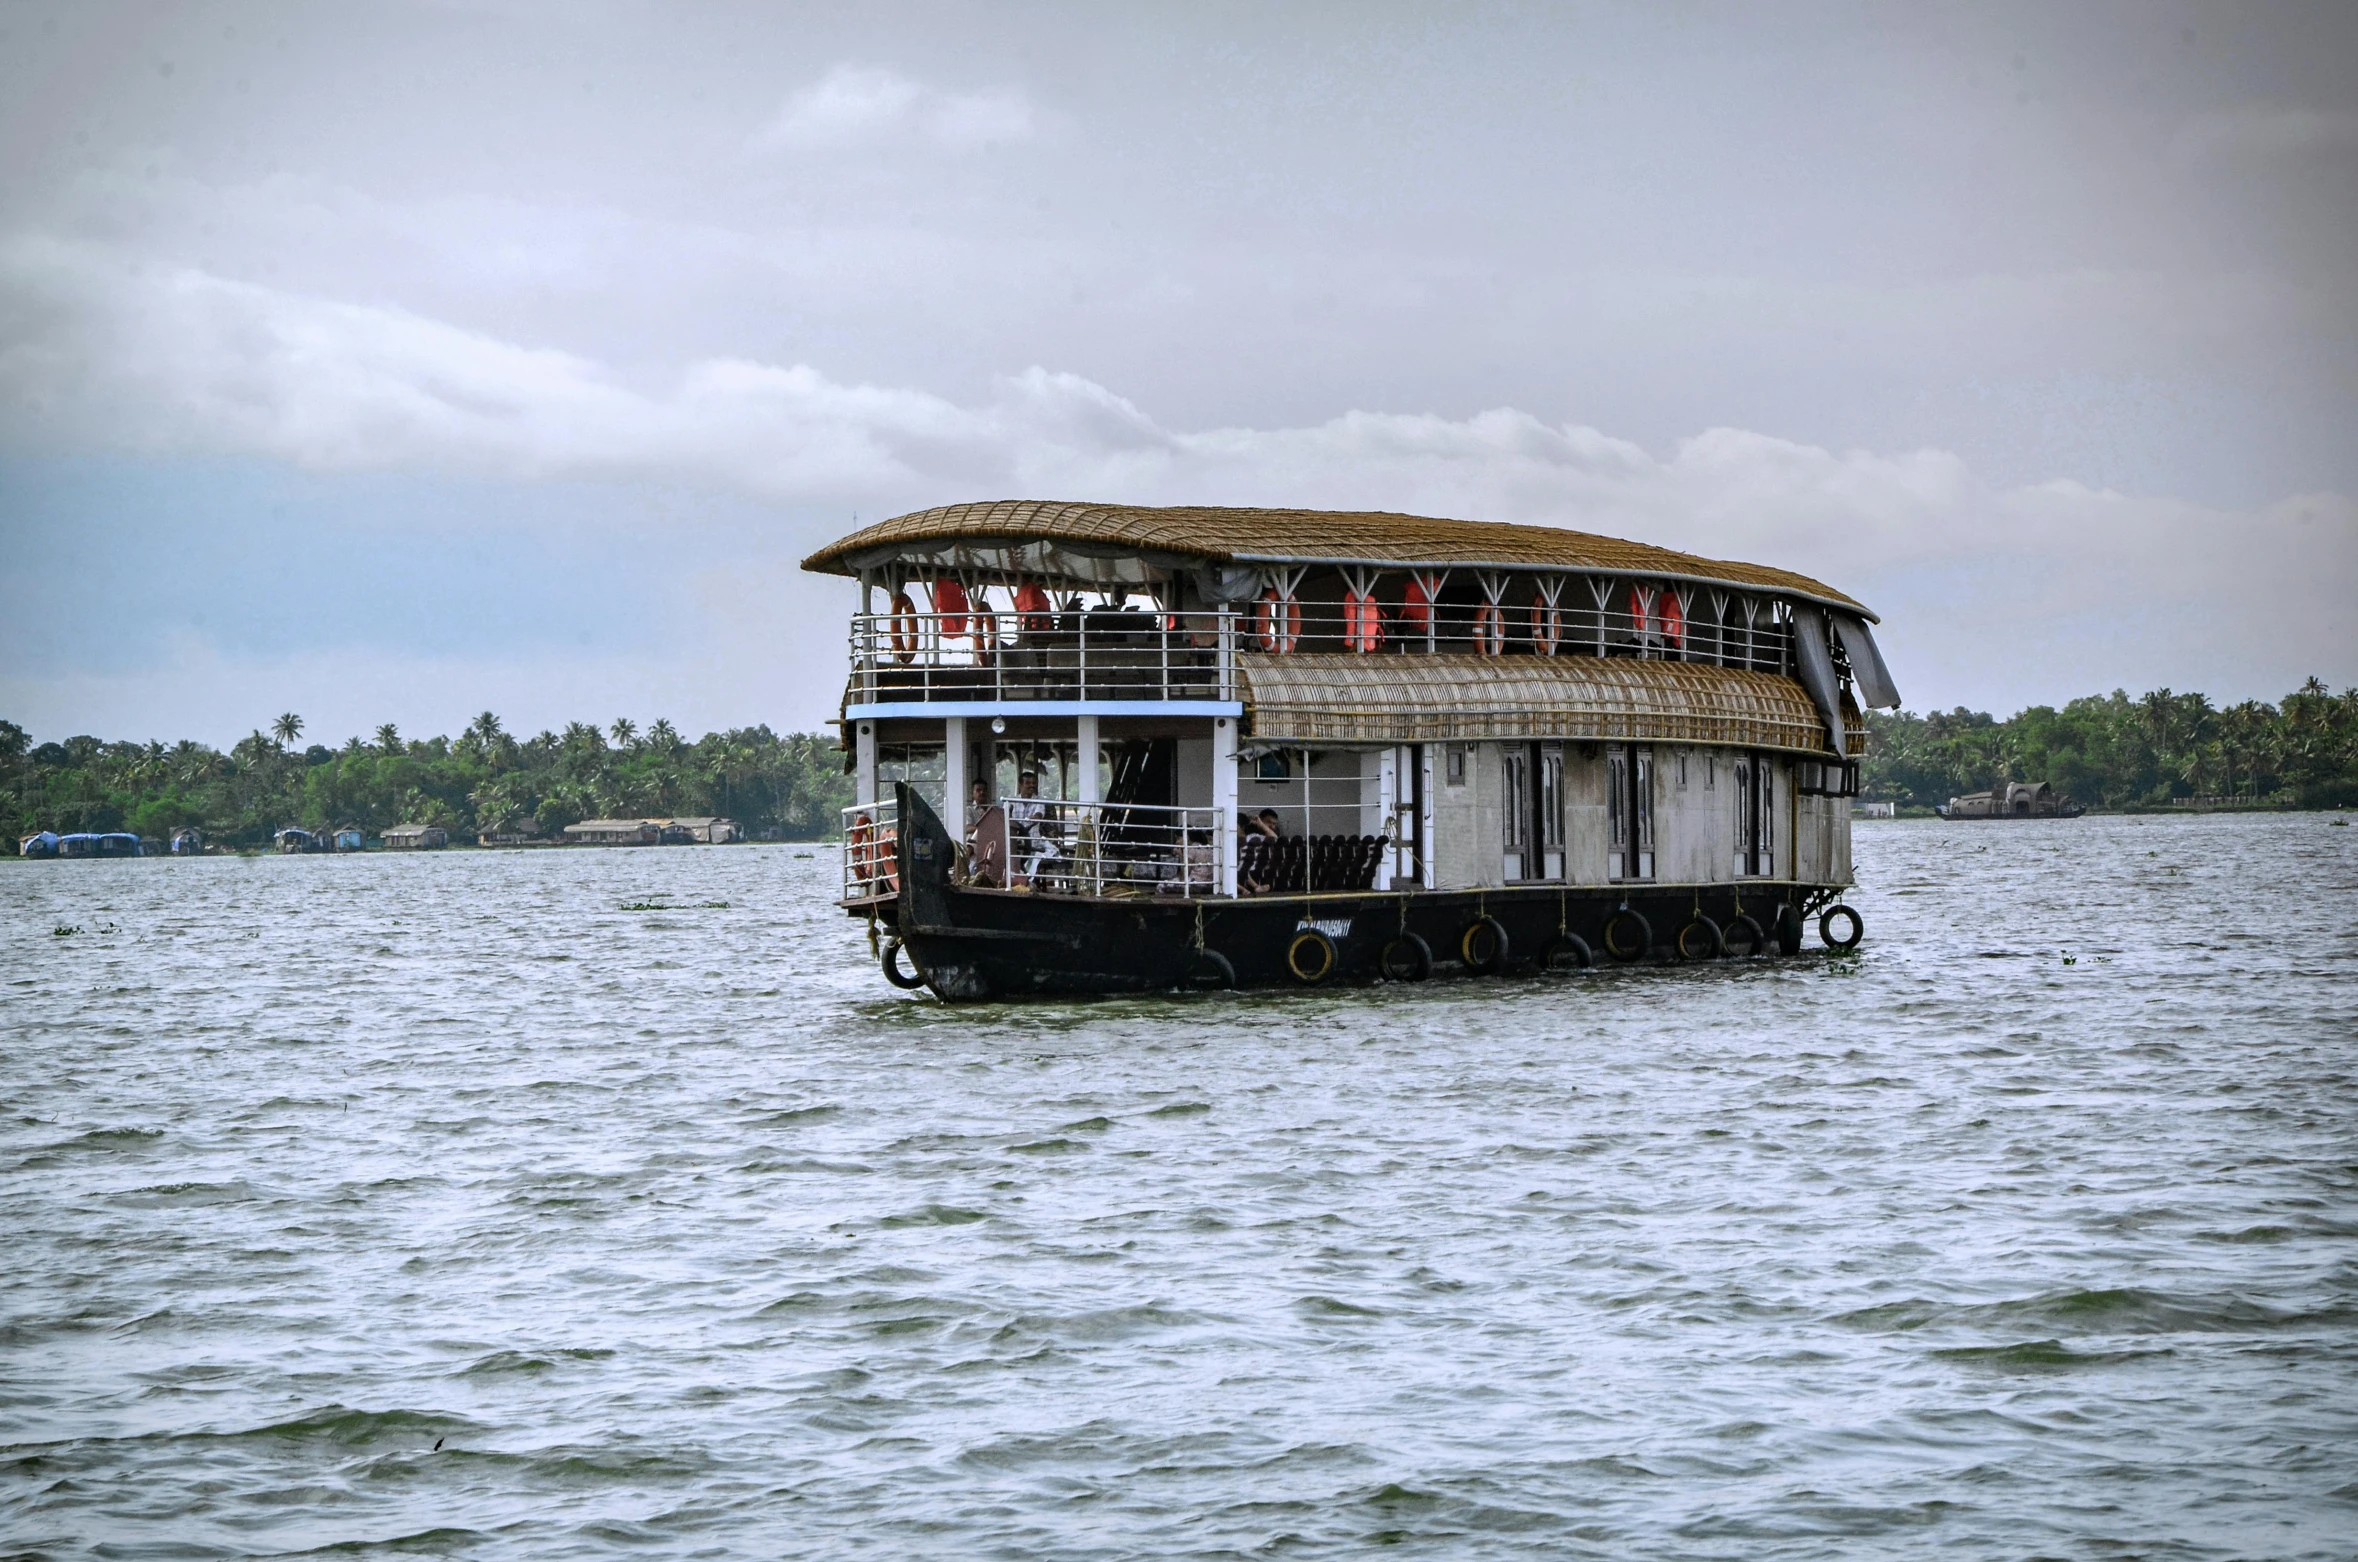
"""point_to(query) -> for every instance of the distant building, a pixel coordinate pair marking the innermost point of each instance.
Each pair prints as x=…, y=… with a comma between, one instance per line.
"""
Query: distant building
x=2015, y=800
x=416, y=838
x=347, y=838
x=1878, y=810
x=614, y=832
x=85, y=844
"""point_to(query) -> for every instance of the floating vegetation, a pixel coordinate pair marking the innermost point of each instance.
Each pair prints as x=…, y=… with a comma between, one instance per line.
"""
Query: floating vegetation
x=666, y=905
x=64, y=931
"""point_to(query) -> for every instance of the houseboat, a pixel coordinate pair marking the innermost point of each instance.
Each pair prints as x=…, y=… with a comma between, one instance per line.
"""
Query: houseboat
x=1106, y=748
x=2015, y=800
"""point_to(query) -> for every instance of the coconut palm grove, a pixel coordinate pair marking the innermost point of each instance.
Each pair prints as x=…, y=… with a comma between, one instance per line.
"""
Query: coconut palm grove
x=2112, y=751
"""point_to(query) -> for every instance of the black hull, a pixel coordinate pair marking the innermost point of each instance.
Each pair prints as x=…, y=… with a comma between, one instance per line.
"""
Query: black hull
x=997, y=944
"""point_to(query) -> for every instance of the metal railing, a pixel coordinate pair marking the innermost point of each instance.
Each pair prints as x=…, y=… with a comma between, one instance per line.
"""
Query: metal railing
x=1047, y=847
x=871, y=850
x=1104, y=653
x=1101, y=654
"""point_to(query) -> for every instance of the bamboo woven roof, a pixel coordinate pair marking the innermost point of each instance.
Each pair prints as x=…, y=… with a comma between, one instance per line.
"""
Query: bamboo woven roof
x=1344, y=698
x=1307, y=537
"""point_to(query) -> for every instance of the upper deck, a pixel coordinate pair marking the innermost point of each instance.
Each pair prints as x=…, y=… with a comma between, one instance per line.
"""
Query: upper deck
x=976, y=608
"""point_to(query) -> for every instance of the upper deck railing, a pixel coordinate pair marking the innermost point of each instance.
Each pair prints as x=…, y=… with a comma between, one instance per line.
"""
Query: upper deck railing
x=1105, y=654
x=1121, y=654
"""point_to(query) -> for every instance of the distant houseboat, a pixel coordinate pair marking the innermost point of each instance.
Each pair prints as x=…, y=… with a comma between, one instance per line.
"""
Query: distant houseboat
x=615, y=832
x=416, y=837
x=188, y=842
x=292, y=840
x=1125, y=749
x=41, y=843
x=2015, y=800
x=113, y=843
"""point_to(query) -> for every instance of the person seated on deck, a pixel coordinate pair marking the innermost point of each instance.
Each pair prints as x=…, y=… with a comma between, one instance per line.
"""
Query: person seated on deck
x=1028, y=828
x=1260, y=826
x=978, y=800
x=1199, y=860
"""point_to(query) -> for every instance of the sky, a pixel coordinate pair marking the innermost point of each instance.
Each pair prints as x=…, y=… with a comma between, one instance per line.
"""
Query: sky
x=395, y=363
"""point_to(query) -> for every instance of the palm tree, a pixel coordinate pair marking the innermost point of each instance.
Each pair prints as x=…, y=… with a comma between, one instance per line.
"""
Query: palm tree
x=389, y=738
x=485, y=729
x=625, y=732
x=287, y=728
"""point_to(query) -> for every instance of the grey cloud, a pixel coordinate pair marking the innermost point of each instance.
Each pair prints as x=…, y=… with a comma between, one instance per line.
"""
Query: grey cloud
x=858, y=105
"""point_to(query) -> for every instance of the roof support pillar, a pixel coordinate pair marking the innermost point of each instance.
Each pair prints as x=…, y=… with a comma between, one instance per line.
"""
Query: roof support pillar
x=1085, y=756
x=954, y=770
x=1224, y=801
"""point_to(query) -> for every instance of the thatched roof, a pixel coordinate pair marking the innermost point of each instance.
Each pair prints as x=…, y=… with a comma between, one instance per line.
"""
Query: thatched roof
x=1304, y=536
x=1343, y=698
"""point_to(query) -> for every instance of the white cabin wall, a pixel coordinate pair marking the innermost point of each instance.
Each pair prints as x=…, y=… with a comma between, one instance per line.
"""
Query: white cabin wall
x=1585, y=838
x=1488, y=777
x=1693, y=834
x=1822, y=840
x=1373, y=802
x=1456, y=831
x=1194, y=780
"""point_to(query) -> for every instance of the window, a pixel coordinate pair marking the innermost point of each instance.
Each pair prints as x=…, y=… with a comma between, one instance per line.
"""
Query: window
x=1682, y=769
x=1756, y=816
x=1273, y=766
x=925, y=766
x=1629, y=812
x=1457, y=765
x=1551, y=801
x=1515, y=778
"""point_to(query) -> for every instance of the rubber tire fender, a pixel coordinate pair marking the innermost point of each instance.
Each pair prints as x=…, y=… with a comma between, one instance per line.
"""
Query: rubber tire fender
x=1716, y=950
x=1858, y=928
x=1329, y=957
x=1571, y=944
x=1213, y=964
x=1498, y=936
x=1645, y=936
x=1788, y=930
x=890, y=958
x=1420, y=958
x=1756, y=939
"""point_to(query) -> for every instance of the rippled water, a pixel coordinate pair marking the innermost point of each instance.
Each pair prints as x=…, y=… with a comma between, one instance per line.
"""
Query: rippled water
x=451, y=1204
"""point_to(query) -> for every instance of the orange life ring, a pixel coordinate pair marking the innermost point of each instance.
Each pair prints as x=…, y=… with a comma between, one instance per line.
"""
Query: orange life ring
x=903, y=628
x=949, y=600
x=1670, y=619
x=1363, y=622
x=888, y=858
x=983, y=629
x=1547, y=626
x=1279, y=623
x=1031, y=606
x=866, y=857
x=1490, y=629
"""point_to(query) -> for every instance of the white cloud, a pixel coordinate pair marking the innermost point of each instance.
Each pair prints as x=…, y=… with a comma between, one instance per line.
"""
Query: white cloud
x=859, y=105
x=2034, y=592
